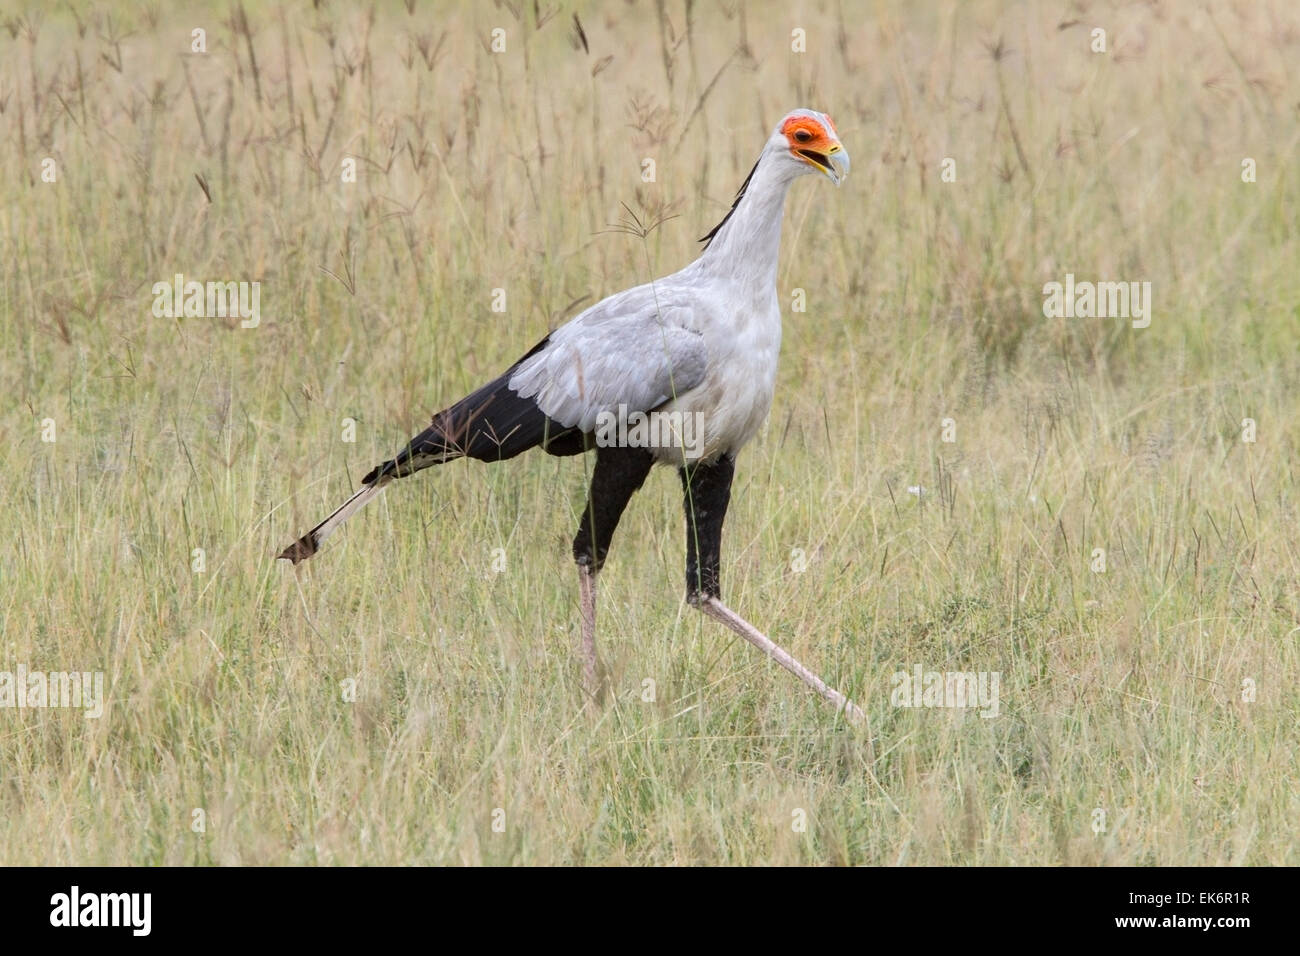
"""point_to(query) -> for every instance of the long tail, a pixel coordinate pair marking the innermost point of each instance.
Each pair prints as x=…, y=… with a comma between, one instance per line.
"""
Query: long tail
x=492, y=424
x=308, y=544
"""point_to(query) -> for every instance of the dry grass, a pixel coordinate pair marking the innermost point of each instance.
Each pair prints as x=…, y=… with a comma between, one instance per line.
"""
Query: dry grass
x=1120, y=690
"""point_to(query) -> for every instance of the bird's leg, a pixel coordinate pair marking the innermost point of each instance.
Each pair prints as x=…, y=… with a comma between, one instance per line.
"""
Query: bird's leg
x=619, y=472
x=715, y=609
x=587, y=597
x=707, y=491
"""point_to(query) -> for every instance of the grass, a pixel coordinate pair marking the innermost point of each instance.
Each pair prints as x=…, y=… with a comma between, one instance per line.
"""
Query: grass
x=1121, y=690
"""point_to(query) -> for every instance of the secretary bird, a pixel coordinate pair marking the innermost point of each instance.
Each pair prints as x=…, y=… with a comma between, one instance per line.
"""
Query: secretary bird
x=698, y=345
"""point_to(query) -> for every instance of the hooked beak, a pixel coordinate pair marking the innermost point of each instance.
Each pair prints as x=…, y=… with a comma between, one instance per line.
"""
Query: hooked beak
x=834, y=162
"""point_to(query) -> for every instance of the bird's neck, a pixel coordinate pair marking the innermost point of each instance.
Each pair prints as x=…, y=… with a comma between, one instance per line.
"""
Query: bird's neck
x=748, y=244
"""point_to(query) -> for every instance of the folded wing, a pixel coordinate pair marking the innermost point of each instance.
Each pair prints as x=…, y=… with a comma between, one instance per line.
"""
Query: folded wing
x=630, y=350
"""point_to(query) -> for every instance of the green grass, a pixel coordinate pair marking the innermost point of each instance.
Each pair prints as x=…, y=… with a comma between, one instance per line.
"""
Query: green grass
x=1120, y=691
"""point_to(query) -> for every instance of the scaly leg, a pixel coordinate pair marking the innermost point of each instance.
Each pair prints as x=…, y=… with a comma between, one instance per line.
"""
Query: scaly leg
x=707, y=491
x=587, y=594
x=618, y=473
x=715, y=609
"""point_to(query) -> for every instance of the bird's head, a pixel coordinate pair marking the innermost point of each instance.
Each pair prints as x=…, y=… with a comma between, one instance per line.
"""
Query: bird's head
x=808, y=141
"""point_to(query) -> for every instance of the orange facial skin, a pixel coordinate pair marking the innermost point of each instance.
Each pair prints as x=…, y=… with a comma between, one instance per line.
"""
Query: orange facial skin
x=810, y=140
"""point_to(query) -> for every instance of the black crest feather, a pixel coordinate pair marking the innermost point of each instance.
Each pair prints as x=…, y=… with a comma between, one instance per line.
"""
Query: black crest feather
x=739, y=196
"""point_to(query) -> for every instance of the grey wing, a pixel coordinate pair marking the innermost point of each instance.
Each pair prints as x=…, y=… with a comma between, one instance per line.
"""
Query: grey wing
x=601, y=361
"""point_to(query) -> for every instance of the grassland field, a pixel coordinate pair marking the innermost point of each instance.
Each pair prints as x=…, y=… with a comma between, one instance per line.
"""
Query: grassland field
x=1103, y=515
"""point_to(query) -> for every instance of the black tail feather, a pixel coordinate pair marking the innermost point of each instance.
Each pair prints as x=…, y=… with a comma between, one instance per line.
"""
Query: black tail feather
x=493, y=423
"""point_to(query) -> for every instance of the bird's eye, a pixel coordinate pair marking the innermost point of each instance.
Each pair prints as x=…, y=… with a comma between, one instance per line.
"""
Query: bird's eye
x=803, y=136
